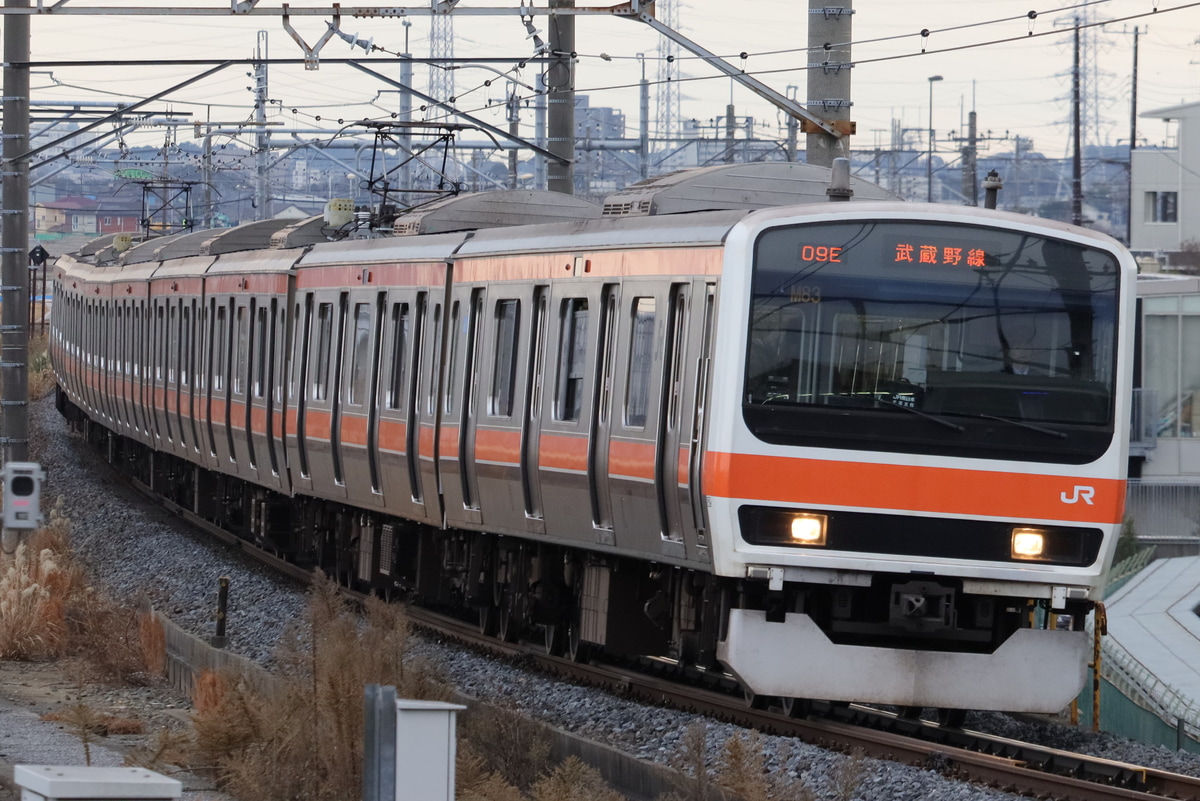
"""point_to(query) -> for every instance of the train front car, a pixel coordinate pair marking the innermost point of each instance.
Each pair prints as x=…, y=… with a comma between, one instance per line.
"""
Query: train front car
x=920, y=476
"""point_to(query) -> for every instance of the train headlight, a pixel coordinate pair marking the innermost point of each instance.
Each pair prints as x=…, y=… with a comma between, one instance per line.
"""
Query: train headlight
x=1028, y=543
x=808, y=529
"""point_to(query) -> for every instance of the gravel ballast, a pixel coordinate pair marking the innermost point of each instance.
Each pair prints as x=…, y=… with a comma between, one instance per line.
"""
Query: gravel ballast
x=134, y=548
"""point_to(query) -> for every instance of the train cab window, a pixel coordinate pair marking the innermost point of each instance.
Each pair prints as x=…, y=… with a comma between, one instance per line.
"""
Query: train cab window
x=504, y=363
x=360, y=360
x=641, y=362
x=401, y=336
x=572, y=357
x=931, y=337
x=320, y=386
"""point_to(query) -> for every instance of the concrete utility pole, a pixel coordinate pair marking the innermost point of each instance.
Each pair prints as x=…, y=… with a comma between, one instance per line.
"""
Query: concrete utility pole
x=14, y=259
x=560, y=98
x=405, y=111
x=262, y=189
x=644, y=123
x=970, y=179
x=828, y=80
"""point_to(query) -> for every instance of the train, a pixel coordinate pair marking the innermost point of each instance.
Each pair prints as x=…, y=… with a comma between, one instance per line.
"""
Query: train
x=869, y=451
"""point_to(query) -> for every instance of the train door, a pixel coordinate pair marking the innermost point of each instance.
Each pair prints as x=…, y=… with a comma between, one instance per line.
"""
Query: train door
x=398, y=462
x=273, y=392
x=532, y=414
x=175, y=374
x=670, y=476
x=567, y=409
x=358, y=436
x=427, y=416
x=321, y=431
x=506, y=347
x=456, y=433
x=297, y=432
x=598, y=441
x=692, y=499
x=646, y=342
x=241, y=311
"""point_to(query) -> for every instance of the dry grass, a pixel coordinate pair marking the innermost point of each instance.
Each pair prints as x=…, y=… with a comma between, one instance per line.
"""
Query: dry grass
x=507, y=743
x=41, y=372
x=153, y=641
x=741, y=774
x=301, y=737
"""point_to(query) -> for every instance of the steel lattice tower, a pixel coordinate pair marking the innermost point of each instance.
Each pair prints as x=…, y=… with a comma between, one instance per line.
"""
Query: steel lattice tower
x=667, y=102
x=1095, y=100
x=441, y=46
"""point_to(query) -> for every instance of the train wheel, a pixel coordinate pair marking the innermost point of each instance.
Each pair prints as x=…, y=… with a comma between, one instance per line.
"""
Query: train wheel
x=487, y=620
x=952, y=718
x=796, y=707
x=909, y=712
x=553, y=637
x=754, y=700
x=576, y=649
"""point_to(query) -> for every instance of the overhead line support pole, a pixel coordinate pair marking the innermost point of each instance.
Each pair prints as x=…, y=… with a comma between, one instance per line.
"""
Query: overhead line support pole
x=560, y=100
x=759, y=88
x=14, y=259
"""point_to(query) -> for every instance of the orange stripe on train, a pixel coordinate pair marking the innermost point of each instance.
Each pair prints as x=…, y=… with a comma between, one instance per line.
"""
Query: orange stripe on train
x=937, y=490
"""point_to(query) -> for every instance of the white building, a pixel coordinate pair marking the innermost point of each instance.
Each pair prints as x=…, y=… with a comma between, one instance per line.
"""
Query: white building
x=1165, y=195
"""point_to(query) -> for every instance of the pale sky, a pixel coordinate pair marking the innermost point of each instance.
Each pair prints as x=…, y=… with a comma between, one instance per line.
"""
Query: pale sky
x=1020, y=86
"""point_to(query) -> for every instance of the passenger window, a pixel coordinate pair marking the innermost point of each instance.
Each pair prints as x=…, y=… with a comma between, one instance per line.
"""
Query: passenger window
x=260, y=357
x=320, y=388
x=400, y=340
x=221, y=347
x=361, y=358
x=641, y=361
x=240, y=347
x=572, y=357
x=504, y=365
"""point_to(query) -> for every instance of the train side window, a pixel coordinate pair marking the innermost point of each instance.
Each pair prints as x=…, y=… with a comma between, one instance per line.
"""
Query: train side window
x=320, y=387
x=455, y=369
x=219, y=352
x=504, y=365
x=172, y=344
x=641, y=361
x=260, y=358
x=160, y=318
x=241, y=349
x=400, y=339
x=572, y=356
x=360, y=360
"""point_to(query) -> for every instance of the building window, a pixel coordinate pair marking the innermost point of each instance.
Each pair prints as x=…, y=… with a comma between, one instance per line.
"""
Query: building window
x=1162, y=207
x=108, y=220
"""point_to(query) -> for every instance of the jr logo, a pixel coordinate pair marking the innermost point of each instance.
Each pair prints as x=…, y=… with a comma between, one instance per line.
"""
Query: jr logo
x=1084, y=494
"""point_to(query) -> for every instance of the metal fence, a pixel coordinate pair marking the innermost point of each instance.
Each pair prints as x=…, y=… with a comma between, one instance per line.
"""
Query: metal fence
x=1163, y=510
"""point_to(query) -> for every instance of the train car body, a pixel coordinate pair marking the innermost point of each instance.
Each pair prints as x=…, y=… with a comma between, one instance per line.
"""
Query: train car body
x=848, y=451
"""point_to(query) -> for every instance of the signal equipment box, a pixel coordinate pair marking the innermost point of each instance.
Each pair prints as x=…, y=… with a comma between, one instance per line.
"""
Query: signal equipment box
x=22, y=494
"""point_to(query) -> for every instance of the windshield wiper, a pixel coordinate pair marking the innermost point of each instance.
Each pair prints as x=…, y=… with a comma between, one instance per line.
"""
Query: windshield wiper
x=1021, y=423
x=919, y=413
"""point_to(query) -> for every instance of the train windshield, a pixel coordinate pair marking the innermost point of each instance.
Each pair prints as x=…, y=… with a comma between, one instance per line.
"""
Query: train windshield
x=932, y=338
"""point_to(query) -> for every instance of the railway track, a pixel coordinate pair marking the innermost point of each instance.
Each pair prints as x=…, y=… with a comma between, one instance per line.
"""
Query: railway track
x=965, y=755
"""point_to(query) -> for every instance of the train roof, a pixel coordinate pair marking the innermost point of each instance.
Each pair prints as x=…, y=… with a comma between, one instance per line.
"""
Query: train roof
x=502, y=208
x=733, y=186
x=695, y=230
x=435, y=247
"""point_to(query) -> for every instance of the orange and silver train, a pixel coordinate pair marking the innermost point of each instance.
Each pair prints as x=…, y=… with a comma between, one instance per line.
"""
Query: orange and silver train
x=868, y=451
